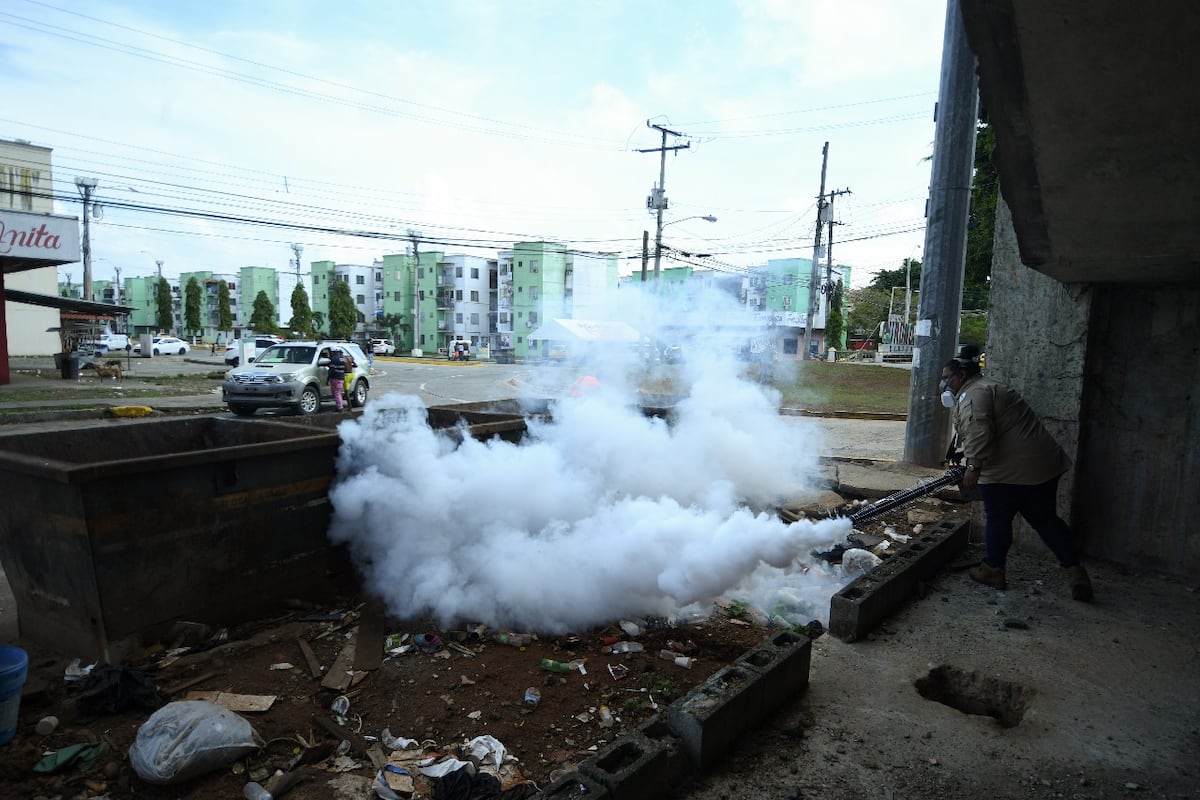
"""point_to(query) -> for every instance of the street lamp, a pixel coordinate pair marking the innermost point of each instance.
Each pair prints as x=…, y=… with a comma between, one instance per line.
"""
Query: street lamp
x=85, y=187
x=658, y=237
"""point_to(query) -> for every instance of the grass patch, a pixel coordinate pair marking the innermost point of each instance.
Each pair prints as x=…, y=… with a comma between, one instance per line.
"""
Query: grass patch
x=817, y=386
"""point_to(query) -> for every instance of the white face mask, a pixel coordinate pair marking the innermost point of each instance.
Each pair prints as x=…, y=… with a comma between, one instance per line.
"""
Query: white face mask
x=948, y=399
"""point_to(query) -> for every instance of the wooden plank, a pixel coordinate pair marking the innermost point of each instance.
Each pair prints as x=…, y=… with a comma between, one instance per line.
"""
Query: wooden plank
x=372, y=632
x=314, y=666
x=235, y=702
x=339, y=675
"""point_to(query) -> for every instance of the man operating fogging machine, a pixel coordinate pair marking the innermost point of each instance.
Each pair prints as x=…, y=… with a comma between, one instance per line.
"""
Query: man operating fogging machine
x=1014, y=462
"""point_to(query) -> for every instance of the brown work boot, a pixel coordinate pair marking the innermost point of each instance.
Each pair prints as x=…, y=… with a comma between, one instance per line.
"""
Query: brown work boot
x=988, y=575
x=1080, y=583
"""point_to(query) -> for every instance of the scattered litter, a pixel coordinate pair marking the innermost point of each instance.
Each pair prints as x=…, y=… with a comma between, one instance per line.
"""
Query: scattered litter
x=46, y=726
x=895, y=537
x=533, y=696
x=463, y=680
x=341, y=705
x=626, y=647
x=436, y=769
x=481, y=747
x=75, y=672
x=428, y=642
x=618, y=671
x=630, y=628
x=82, y=754
x=393, y=783
x=606, y=717
x=396, y=742
x=857, y=561
x=475, y=715
x=234, y=702
x=282, y=665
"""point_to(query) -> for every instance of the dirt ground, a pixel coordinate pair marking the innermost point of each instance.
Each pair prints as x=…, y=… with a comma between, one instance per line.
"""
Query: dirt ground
x=470, y=685
x=963, y=692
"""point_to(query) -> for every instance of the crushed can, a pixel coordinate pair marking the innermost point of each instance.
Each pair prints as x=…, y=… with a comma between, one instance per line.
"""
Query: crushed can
x=533, y=696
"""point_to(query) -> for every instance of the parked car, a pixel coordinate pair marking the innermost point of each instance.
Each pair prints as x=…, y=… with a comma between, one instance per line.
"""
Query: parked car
x=110, y=342
x=294, y=375
x=233, y=350
x=165, y=345
x=383, y=347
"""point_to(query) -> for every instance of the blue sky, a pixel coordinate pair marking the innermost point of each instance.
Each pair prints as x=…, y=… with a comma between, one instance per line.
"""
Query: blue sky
x=477, y=124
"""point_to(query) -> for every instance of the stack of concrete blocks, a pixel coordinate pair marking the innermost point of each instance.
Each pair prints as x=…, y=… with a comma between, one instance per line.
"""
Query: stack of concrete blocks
x=697, y=729
x=867, y=600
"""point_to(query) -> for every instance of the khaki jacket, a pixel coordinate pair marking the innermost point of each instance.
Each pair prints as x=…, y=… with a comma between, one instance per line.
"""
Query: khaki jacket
x=998, y=431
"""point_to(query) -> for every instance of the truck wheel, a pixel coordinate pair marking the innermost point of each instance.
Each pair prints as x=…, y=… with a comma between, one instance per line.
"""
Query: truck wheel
x=310, y=401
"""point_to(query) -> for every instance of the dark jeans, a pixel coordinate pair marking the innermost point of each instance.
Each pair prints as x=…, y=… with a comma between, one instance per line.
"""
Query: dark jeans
x=1039, y=506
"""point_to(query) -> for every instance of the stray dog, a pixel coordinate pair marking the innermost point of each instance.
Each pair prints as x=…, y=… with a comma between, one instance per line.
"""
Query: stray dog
x=111, y=369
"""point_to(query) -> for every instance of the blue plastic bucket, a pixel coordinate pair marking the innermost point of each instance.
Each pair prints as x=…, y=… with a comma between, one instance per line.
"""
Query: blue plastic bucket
x=13, y=664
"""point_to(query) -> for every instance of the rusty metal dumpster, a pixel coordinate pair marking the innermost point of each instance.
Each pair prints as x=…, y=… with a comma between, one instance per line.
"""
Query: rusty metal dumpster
x=109, y=533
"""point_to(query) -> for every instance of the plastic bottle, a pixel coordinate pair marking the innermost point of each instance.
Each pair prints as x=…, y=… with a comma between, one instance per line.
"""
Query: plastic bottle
x=255, y=791
x=551, y=665
x=514, y=639
x=628, y=647
x=680, y=661
x=606, y=717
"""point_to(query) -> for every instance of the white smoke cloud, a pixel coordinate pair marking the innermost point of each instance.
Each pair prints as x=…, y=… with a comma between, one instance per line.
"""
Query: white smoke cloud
x=599, y=513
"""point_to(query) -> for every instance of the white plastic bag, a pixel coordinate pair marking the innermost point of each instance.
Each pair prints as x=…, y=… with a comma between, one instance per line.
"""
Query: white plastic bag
x=188, y=738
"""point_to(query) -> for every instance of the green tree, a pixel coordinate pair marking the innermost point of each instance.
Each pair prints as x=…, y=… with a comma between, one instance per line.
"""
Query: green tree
x=342, y=313
x=262, y=320
x=301, y=322
x=981, y=223
x=397, y=327
x=191, y=306
x=164, y=307
x=835, y=322
x=224, y=312
x=868, y=307
x=318, y=322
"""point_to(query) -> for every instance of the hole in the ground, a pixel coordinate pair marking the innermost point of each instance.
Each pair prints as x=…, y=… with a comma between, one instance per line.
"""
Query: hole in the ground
x=970, y=693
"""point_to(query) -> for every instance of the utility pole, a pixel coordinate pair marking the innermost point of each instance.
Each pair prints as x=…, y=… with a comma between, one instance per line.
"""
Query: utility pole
x=297, y=249
x=814, y=279
x=828, y=287
x=117, y=293
x=927, y=431
x=645, y=253
x=159, y=263
x=86, y=186
x=416, y=348
x=657, y=201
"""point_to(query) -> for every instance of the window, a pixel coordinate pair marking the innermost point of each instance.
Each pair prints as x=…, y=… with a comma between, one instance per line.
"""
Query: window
x=358, y=279
x=504, y=318
x=458, y=294
x=474, y=297
x=475, y=319
x=533, y=266
x=533, y=318
x=789, y=279
x=458, y=319
x=787, y=304
x=474, y=272
x=360, y=298
x=396, y=296
x=421, y=274
x=421, y=294
x=533, y=293
x=458, y=272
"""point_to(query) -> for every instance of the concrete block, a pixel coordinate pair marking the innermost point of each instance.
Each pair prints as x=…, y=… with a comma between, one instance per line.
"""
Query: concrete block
x=714, y=715
x=574, y=786
x=869, y=599
x=630, y=768
x=674, y=765
x=783, y=658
